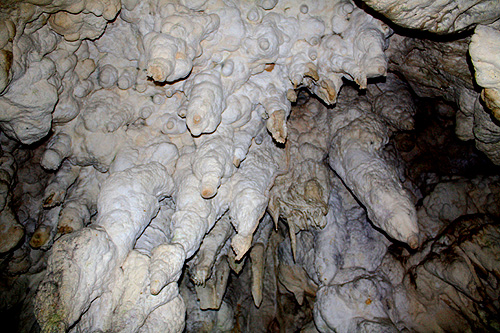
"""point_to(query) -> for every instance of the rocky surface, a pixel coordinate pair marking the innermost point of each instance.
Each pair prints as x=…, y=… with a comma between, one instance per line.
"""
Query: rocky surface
x=249, y=166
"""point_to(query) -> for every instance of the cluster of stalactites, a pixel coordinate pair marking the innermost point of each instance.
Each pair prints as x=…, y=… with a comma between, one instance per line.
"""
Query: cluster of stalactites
x=214, y=53
x=178, y=101
x=438, y=16
x=230, y=74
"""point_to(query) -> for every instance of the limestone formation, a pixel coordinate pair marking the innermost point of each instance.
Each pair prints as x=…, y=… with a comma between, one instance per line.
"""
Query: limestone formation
x=484, y=44
x=170, y=165
x=440, y=16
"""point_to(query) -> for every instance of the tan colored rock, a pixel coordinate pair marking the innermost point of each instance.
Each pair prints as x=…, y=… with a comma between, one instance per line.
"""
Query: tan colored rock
x=485, y=43
x=440, y=16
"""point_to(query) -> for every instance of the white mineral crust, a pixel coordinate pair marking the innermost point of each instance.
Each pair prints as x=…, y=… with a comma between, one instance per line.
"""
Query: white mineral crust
x=166, y=129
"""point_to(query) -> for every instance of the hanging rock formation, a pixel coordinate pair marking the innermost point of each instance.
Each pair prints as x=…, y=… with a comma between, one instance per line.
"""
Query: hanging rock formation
x=236, y=161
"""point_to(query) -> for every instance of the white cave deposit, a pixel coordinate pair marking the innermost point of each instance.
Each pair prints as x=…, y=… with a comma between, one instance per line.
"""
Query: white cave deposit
x=249, y=165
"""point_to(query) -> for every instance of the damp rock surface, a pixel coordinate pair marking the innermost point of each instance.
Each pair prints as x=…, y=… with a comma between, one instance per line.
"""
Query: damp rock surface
x=215, y=166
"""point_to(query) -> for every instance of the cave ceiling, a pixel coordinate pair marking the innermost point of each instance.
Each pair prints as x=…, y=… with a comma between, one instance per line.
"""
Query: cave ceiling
x=249, y=166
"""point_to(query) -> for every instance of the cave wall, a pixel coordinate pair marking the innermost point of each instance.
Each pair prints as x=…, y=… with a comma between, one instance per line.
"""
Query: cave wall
x=249, y=165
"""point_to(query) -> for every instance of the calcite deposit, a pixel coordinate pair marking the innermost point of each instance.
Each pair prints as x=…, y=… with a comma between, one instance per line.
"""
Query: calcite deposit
x=439, y=16
x=216, y=166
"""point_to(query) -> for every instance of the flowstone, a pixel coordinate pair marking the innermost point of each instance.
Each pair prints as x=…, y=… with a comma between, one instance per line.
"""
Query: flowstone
x=236, y=160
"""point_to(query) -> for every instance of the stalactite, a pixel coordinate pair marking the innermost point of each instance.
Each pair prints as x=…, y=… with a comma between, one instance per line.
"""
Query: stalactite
x=148, y=148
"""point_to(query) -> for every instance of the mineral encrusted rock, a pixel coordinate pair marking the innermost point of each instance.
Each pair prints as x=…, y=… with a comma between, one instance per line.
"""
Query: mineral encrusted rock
x=484, y=44
x=158, y=157
x=439, y=16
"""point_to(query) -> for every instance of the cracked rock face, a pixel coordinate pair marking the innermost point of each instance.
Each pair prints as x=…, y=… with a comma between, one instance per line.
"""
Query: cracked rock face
x=439, y=16
x=194, y=165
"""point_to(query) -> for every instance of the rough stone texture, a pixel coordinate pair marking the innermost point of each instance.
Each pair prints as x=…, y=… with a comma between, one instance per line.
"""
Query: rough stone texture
x=485, y=43
x=440, y=69
x=439, y=16
x=456, y=269
x=233, y=160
